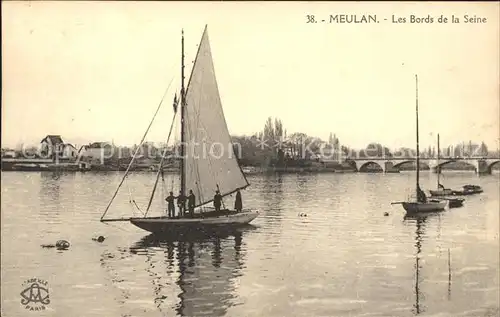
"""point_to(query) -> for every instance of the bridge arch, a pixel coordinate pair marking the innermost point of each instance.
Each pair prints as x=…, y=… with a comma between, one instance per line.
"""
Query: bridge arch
x=491, y=164
x=364, y=166
x=397, y=165
x=422, y=164
x=446, y=162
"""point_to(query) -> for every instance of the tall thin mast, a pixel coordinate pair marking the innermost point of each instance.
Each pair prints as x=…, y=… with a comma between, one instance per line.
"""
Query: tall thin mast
x=183, y=103
x=438, y=169
x=418, y=148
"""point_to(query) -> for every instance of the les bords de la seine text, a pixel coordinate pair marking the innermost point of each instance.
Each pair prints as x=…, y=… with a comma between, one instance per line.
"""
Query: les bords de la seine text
x=396, y=19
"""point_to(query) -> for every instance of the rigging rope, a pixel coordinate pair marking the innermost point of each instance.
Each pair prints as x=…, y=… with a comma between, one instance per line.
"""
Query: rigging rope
x=163, y=189
x=160, y=169
x=131, y=200
x=137, y=150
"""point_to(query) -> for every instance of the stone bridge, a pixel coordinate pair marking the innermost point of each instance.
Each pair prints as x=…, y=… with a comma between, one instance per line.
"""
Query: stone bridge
x=482, y=165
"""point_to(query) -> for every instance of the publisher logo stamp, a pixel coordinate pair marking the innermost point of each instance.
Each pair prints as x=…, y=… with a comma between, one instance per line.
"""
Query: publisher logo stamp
x=35, y=294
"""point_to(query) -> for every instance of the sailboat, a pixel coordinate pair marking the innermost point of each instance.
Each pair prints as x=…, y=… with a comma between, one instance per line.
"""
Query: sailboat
x=421, y=203
x=203, y=126
x=468, y=190
x=441, y=190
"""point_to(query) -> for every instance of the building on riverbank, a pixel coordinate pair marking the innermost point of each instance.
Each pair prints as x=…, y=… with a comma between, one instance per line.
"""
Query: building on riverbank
x=53, y=147
x=96, y=153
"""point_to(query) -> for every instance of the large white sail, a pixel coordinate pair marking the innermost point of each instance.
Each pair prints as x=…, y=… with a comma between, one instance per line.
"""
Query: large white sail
x=210, y=161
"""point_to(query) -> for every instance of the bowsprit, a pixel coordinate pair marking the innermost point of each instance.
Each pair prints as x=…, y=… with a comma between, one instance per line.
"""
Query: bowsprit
x=35, y=294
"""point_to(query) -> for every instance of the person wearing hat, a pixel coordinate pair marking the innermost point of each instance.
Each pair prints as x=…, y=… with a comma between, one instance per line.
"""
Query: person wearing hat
x=171, y=206
x=217, y=201
x=191, y=203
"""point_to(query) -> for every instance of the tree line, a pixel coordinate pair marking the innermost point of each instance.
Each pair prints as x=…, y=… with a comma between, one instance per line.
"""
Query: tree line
x=275, y=146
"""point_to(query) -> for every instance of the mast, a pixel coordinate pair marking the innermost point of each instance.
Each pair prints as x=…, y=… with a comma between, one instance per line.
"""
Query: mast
x=418, y=148
x=438, y=169
x=183, y=103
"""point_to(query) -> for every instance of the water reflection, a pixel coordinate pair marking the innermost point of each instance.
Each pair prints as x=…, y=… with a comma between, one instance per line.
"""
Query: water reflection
x=302, y=183
x=449, y=274
x=420, y=221
x=50, y=186
x=273, y=195
x=204, y=267
x=51, y=199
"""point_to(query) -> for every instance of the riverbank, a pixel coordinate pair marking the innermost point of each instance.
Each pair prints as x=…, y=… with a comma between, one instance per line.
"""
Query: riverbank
x=40, y=165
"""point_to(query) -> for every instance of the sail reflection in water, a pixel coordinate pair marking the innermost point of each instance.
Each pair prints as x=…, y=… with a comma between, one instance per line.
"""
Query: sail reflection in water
x=203, y=269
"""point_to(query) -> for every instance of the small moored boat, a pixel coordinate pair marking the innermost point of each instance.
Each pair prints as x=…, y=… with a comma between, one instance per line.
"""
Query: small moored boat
x=431, y=205
x=455, y=202
x=441, y=191
x=468, y=190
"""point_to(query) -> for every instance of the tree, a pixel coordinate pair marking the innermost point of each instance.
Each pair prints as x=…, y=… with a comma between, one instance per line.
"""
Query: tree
x=483, y=149
x=297, y=141
x=269, y=131
x=314, y=144
x=376, y=150
x=405, y=152
x=278, y=132
x=345, y=150
x=335, y=142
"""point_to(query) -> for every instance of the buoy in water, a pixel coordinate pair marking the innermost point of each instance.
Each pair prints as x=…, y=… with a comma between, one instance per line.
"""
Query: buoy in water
x=62, y=245
x=386, y=214
x=98, y=238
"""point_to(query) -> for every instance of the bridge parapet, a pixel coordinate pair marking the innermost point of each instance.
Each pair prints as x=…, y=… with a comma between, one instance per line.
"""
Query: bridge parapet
x=482, y=165
x=412, y=158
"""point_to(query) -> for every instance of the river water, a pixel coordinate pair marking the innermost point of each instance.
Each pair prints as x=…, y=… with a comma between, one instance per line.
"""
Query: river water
x=321, y=247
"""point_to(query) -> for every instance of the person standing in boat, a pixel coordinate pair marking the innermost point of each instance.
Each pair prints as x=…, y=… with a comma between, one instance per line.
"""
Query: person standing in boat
x=217, y=201
x=191, y=203
x=170, y=205
x=238, y=205
x=181, y=203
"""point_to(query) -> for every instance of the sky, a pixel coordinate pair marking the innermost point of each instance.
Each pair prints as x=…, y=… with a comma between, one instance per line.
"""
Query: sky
x=97, y=71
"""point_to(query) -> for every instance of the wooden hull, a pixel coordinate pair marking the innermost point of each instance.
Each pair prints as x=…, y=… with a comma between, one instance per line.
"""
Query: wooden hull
x=187, y=225
x=441, y=192
x=431, y=206
x=455, y=202
x=467, y=192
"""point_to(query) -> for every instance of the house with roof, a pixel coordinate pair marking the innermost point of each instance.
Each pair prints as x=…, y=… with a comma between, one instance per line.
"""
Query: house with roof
x=97, y=152
x=53, y=146
x=8, y=153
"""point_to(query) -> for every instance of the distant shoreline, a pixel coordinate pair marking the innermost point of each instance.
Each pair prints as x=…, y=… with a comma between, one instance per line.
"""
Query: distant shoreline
x=253, y=171
x=40, y=165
